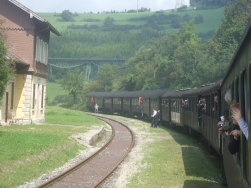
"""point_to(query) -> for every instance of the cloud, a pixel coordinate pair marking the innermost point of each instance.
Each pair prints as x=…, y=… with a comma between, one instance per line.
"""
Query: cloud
x=81, y=6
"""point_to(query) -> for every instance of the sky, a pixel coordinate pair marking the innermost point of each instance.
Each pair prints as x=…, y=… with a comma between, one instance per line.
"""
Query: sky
x=81, y=6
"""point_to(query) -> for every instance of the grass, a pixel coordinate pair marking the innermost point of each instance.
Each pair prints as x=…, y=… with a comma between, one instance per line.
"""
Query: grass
x=70, y=117
x=28, y=151
x=173, y=159
x=54, y=89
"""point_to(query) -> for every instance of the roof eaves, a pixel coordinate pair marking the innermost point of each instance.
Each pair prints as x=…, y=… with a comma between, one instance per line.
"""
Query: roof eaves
x=35, y=16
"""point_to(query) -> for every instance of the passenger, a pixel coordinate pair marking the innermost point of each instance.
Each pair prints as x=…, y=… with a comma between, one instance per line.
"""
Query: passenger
x=141, y=108
x=154, y=120
x=228, y=125
x=183, y=103
x=187, y=103
x=204, y=104
x=200, y=104
x=234, y=144
x=228, y=97
x=216, y=101
x=96, y=108
x=236, y=114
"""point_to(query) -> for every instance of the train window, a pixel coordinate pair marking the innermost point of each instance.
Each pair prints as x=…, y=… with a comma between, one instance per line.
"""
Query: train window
x=236, y=93
x=244, y=101
x=232, y=92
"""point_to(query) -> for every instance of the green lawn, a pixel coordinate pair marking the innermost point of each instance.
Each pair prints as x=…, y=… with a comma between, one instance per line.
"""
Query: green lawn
x=28, y=151
x=54, y=89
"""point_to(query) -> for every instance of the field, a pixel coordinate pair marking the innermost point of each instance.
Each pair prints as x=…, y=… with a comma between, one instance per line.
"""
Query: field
x=212, y=19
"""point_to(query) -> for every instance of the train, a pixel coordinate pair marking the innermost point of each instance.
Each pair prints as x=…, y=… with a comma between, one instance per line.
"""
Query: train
x=203, y=122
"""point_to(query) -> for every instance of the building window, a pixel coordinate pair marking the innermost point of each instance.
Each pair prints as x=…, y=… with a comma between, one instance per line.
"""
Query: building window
x=41, y=51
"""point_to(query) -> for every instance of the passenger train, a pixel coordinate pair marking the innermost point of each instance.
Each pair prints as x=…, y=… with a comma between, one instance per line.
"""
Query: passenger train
x=202, y=122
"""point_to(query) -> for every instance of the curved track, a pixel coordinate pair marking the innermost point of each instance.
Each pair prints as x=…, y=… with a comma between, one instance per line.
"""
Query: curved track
x=94, y=170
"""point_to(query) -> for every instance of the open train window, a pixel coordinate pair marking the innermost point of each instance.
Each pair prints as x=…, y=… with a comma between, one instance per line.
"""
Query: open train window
x=244, y=109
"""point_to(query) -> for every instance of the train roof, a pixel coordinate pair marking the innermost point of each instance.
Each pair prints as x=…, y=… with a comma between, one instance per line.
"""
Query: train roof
x=107, y=94
x=146, y=93
x=173, y=93
x=202, y=90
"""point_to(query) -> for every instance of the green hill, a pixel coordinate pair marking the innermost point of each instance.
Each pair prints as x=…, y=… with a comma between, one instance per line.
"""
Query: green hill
x=122, y=34
x=211, y=17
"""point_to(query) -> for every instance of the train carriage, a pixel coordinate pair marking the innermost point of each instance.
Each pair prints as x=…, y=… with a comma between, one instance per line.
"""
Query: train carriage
x=192, y=113
x=143, y=102
x=117, y=102
x=238, y=80
x=211, y=115
x=93, y=98
x=171, y=107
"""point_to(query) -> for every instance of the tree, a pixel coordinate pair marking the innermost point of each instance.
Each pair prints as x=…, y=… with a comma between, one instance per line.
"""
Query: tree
x=7, y=71
x=108, y=22
x=67, y=16
x=106, y=76
x=74, y=83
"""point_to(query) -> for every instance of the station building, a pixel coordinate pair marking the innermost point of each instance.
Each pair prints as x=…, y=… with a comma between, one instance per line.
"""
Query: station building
x=28, y=36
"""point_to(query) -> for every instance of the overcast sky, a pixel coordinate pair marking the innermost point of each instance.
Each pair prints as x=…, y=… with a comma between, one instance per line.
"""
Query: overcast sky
x=95, y=6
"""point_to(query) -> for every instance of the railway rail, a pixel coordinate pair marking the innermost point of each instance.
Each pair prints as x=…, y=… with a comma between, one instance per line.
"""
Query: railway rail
x=95, y=169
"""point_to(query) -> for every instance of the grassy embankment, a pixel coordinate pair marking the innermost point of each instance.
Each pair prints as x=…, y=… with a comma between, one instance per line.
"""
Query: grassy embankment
x=171, y=159
x=212, y=19
x=28, y=151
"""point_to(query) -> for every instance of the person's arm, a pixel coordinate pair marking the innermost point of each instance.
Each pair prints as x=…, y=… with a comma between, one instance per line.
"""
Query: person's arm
x=244, y=127
x=236, y=114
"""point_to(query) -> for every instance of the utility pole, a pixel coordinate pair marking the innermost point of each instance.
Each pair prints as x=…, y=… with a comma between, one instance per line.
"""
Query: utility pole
x=179, y=3
x=137, y=6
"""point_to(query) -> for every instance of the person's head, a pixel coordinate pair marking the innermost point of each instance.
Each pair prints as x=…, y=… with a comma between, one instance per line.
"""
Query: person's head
x=216, y=98
x=204, y=100
x=228, y=97
x=158, y=110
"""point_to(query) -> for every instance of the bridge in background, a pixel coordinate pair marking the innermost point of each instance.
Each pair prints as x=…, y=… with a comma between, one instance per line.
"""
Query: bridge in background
x=90, y=64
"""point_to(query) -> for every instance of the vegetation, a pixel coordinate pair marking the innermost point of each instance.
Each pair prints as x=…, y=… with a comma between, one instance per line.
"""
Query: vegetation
x=7, y=70
x=74, y=83
x=182, y=59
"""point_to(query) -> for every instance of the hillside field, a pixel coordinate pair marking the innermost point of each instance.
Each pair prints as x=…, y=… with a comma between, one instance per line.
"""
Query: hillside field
x=212, y=19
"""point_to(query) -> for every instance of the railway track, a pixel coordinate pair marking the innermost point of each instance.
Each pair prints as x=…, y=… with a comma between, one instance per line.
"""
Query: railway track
x=95, y=169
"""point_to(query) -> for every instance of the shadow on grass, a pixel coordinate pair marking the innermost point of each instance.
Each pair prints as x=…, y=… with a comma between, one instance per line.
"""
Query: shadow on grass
x=197, y=161
x=199, y=184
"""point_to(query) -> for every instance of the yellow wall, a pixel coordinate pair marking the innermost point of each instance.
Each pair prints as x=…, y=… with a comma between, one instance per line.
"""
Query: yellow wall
x=19, y=96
